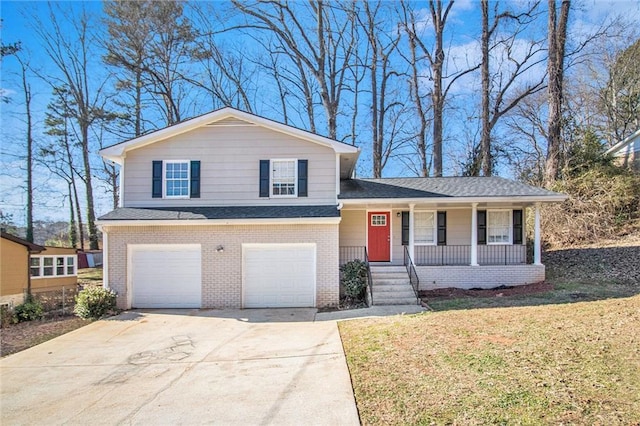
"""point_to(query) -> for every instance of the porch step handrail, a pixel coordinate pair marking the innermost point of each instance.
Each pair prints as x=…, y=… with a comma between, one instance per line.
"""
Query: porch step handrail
x=413, y=275
x=369, y=279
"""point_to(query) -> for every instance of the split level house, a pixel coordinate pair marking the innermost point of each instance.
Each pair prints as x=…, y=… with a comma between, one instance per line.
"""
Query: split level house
x=232, y=210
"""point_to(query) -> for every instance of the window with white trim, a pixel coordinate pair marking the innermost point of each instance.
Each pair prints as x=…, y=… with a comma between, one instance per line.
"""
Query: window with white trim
x=498, y=226
x=34, y=266
x=378, y=220
x=284, y=178
x=424, y=227
x=52, y=266
x=176, y=179
x=47, y=267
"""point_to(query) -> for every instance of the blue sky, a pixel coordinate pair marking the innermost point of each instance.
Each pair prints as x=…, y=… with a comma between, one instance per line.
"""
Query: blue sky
x=18, y=21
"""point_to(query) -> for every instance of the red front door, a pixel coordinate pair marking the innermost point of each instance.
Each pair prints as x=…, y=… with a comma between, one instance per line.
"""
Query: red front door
x=379, y=245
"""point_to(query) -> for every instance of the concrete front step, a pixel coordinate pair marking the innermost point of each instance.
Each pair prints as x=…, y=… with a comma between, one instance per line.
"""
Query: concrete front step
x=387, y=275
x=390, y=269
x=399, y=301
x=391, y=286
x=391, y=281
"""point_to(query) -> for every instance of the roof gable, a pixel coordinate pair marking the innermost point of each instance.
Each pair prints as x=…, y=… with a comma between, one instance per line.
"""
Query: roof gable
x=224, y=117
x=31, y=247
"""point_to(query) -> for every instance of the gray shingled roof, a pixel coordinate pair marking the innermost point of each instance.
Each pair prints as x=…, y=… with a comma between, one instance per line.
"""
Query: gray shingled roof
x=201, y=213
x=442, y=187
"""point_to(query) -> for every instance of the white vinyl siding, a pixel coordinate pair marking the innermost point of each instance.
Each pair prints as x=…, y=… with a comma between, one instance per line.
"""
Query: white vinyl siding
x=424, y=229
x=230, y=172
x=499, y=225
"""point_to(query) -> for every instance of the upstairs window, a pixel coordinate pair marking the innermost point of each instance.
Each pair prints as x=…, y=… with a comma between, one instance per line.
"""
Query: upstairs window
x=283, y=178
x=176, y=179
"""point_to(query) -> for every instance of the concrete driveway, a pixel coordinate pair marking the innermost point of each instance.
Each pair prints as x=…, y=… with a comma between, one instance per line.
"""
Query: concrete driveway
x=184, y=367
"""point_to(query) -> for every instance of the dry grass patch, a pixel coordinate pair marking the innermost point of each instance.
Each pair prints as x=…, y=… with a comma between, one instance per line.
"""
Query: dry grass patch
x=576, y=363
x=18, y=337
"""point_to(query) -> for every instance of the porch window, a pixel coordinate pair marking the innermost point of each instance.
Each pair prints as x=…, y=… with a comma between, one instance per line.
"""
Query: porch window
x=498, y=226
x=424, y=224
x=71, y=265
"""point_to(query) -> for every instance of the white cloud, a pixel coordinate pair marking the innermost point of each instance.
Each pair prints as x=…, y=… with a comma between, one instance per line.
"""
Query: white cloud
x=6, y=93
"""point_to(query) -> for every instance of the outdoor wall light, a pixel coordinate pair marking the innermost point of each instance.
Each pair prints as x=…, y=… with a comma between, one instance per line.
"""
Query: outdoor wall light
x=220, y=249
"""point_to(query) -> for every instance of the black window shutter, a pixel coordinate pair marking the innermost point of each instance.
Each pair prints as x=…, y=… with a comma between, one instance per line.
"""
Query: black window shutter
x=482, y=227
x=156, y=180
x=517, y=227
x=442, y=228
x=195, y=179
x=264, y=178
x=405, y=228
x=303, y=166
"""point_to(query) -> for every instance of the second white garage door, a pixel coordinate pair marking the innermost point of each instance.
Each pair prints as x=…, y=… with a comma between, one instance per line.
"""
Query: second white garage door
x=165, y=275
x=279, y=275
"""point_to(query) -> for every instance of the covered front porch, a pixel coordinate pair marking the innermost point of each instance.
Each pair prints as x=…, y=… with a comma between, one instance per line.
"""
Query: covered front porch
x=477, y=245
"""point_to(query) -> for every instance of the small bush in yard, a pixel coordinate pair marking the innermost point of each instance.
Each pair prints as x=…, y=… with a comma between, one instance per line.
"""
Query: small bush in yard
x=354, y=278
x=95, y=302
x=29, y=310
x=7, y=316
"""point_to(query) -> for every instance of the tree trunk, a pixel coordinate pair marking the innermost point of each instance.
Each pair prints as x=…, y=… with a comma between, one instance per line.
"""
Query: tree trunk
x=27, y=102
x=555, y=70
x=73, y=232
x=485, y=137
x=91, y=216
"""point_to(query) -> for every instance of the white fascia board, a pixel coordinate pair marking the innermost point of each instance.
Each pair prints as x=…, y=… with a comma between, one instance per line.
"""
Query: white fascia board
x=455, y=200
x=222, y=222
x=116, y=152
x=623, y=143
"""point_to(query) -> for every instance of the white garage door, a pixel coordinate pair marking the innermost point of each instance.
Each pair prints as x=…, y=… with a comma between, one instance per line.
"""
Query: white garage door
x=279, y=275
x=165, y=275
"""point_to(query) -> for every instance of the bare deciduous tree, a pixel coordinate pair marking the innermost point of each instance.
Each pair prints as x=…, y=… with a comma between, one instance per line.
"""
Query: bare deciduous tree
x=321, y=43
x=557, y=37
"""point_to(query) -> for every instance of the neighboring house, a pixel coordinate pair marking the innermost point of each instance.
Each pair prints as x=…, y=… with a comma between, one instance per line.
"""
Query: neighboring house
x=626, y=153
x=14, y=267
x=53, y=269
x=232, y=210
x=48, y=268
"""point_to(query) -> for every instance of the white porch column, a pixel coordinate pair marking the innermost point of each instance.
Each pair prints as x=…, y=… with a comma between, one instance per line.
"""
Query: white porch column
x=474, y=234
x=411, y=245
x=537, y=253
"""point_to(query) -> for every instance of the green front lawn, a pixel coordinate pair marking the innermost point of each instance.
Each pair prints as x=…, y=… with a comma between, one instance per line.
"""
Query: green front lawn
x=572, y=363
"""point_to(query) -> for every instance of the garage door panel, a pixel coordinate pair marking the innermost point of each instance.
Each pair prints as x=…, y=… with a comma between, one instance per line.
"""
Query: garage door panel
x=279, y=275
x=166, y=276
